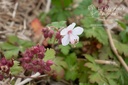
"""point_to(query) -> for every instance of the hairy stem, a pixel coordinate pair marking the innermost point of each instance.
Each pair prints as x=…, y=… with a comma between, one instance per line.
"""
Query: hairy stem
x=115, y=50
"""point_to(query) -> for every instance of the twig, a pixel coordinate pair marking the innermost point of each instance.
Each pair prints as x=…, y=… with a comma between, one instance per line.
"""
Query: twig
x=15, y=8
x=48, y=6
x=16, y=76
x=18, y=81
x=24, y=26
x=115, y=8
x=29, y=79
x=106, y=62
x=6, y=81
x=14, y=14
x=115, y=50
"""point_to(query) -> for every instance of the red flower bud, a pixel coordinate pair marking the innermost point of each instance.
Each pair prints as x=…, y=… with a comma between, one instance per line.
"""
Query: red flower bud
x=10, y=63
x=49, y=63
x=3, y=61
x=27, y=59
x=41, y=55
x=47, y=68
x=50, y=34
x=58, y=36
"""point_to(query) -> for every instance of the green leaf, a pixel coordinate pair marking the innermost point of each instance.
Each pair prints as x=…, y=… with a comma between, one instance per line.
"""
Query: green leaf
x=60, y=62
x=122, y=24
x=64, y=49
x=79, y=45
x=7, y=46
x=82, y=72
x=95, y=78
x=11, y=53
x=83, y=8
x=71, y=75
x=83, y=83
x=16, y=69
x=93, y=67
x=12, y=39
x=105, y=53
x=124, y=36
x=59, y=24
x=58, y=67
x=25, y=43
x=58, y=71
x=58, y=14
x=13, y=45
x=61, y=3
x=49, y=54
x=112, y=82
x=71, y=59
x=122, y=48
x=124, y=76
x=89, y=58
x=98, y=33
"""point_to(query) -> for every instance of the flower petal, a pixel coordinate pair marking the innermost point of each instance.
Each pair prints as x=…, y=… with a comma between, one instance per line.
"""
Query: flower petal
x=64, y=31
x=74, y=39
x=71, y=26
x=78, y=30
x=65, y=40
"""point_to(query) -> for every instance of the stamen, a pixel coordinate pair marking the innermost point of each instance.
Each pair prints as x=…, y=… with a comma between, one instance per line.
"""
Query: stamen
x=70, y=31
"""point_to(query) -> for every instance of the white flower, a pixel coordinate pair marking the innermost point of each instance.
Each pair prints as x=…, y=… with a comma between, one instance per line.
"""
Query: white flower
x=70, y=34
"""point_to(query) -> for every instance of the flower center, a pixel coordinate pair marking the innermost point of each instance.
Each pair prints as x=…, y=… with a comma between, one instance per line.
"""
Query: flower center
x=70, y=31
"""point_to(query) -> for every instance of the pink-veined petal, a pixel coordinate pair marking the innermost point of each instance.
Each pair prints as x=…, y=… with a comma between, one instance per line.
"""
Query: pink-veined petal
x=78, y=30
x=65, y=40
x=64, y=31
x=71, y=26
x=73, y=38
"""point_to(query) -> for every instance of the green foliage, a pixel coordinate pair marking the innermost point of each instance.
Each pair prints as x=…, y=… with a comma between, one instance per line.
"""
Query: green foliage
x=124, y=36
x=122, y=48
x=49, y=54
x=83, y=72
x=105, y=53
x=102, y=74
x=124, y=77
x=13, y=45
x=58, y=67
x=16, y=69
x=65, y=49
x=61, y=3
x=77, y=63
x=71, y=73
x=59, y=24
x=98, y=33
x=59, y=12
x=83, y=8
x=123, y=25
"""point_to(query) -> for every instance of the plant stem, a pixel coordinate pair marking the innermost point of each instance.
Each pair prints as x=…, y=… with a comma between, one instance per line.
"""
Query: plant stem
x=115, y=50
x=107, y=62
x=29, y=79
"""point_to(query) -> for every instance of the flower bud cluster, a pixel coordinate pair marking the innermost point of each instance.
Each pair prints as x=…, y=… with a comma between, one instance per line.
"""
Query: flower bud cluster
x=5, y=66
x=58, y=37
x=32, y=60
x=48, y=33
